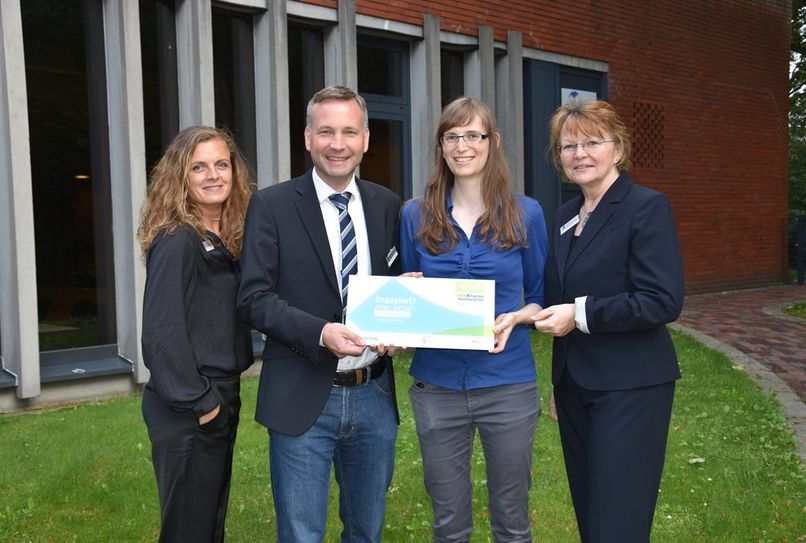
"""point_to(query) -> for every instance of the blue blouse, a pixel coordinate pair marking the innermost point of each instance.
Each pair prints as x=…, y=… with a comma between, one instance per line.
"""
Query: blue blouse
x=518, y=275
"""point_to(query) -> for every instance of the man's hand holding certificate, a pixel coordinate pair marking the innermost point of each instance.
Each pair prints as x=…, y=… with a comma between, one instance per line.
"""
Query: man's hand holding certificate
x=422, y=312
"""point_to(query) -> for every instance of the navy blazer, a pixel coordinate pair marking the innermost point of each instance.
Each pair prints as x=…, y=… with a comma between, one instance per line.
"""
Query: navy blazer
x=289, y=291
x=627, y=262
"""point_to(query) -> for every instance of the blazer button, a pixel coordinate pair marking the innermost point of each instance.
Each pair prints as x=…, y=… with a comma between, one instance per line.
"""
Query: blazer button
x=337, y=317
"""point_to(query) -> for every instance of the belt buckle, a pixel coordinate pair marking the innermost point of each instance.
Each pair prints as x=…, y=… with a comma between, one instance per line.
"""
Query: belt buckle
x=360, y=376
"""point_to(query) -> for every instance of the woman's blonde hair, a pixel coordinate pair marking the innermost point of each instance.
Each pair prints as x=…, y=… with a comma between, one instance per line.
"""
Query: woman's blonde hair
x=167, y=206
x=501, y=223
x=593, y=119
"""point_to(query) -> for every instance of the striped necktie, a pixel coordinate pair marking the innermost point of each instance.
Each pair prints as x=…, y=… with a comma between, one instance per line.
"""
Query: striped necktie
x=349, y=252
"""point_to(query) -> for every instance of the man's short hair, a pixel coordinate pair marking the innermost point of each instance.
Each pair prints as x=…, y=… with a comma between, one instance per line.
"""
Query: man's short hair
x=336, y=92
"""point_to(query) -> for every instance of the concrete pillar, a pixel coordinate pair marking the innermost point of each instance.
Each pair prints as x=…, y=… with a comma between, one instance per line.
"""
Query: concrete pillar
x=194, y=59
x=425, y=101
x=19, y=328
x=127, y=171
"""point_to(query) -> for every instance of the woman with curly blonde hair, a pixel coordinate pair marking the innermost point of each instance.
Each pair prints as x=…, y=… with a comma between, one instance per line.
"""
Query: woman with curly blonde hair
x=194, y=343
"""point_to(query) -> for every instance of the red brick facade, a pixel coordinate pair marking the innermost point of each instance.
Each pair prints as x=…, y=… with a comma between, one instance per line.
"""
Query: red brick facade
x=705, y=82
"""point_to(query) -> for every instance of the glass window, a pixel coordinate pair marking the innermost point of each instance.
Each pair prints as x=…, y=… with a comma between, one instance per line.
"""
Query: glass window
x=66, y=82
x=160, y=86
x=306, y=75
x=383, y=81
x=234, y=74
x=380, y=69
x=382, y=162
x=452, y=74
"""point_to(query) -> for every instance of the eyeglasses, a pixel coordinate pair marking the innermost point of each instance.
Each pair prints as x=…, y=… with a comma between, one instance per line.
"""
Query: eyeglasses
x=590, y=146
x=470, y=138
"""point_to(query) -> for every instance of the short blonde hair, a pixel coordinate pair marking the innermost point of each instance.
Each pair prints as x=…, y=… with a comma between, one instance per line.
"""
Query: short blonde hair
x=336, y=92
x=594, y=119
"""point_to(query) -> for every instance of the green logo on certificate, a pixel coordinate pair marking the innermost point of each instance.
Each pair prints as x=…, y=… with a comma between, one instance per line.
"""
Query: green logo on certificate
x=422, y=312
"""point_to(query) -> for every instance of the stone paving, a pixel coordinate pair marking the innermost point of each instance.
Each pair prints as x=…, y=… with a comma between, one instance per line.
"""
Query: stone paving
x=770, y=337
x=751, y=329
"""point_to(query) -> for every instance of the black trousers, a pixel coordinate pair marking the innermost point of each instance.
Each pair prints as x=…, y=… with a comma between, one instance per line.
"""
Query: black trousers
x=193, y=465
x=614, y=444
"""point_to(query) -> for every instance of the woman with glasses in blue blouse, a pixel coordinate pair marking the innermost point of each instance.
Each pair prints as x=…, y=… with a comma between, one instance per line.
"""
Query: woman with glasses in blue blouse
x=469, y=225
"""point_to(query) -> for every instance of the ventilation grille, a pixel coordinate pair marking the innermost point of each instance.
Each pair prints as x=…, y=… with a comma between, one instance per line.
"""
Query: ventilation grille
x=647, y=135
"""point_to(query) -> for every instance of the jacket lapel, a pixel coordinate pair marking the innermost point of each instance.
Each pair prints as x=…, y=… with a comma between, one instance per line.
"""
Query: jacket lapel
x=562, y=242
x=606, y=208
x=310, y=215
x=374, y=219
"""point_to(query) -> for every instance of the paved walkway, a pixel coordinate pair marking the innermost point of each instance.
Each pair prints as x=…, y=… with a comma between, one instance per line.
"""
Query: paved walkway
x=750, y=328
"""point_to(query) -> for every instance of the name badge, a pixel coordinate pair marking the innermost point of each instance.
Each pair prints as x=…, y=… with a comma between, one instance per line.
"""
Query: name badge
x=207, y=245
x=570, y=224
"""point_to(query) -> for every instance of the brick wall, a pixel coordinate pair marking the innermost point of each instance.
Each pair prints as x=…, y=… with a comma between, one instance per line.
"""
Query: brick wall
x=705, y=82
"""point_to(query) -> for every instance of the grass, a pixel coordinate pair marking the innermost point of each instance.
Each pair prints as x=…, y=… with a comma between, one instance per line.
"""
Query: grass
x=796, y=310
x=83, y=473
x=78, y=331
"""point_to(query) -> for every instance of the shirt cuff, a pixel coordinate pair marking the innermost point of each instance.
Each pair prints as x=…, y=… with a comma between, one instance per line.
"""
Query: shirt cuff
x=322, y=336
x=580, y=317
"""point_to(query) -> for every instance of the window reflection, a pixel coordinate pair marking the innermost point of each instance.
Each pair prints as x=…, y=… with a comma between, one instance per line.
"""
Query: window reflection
x=160, y=87
x=452, y=75
x=380, y=69
x=306, y=75
x=382, y=163
x=234, y=74
x=65, y=78
x=383, y=80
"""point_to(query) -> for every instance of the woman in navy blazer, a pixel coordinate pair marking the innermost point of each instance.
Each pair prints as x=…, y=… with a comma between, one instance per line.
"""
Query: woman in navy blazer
x=614, y=279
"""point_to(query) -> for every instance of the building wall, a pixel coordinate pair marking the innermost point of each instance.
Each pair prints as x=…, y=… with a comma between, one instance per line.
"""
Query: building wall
x=703, y=87
x=704, y=90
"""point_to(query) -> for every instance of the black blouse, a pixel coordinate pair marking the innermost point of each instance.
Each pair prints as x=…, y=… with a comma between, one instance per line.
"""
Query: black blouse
x=191, y=330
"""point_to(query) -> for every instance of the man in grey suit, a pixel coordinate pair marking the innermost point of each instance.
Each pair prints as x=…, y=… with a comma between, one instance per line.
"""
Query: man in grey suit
x=325, y=397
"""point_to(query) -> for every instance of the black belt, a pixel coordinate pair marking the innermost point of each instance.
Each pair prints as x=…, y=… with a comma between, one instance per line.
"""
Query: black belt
x=359, y=376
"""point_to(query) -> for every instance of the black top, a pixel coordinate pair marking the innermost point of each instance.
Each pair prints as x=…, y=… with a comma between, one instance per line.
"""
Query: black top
x=191, y=330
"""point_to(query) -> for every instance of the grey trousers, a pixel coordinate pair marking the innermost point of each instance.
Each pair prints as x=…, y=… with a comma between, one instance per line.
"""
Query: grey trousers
x=447, y=420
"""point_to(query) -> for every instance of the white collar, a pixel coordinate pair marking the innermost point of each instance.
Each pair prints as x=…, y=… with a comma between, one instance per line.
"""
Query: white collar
x=324, y=191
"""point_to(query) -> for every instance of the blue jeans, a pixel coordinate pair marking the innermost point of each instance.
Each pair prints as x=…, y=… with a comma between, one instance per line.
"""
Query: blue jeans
x=356, y=434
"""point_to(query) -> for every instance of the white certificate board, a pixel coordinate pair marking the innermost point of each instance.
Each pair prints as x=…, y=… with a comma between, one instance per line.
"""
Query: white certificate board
x=422, y=312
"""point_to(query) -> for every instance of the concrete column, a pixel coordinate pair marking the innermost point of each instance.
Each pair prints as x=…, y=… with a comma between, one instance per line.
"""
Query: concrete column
x=19, y=328
x=509, y=106
x=127, y=171
x=194, y=59
x=271, y=94
x=486, y=75
x=473, y=74
x=425, y=101
x=341, y=50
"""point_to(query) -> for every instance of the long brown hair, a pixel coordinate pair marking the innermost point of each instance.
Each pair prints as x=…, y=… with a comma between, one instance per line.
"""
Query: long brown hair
x=167, y=206
x=502, y=222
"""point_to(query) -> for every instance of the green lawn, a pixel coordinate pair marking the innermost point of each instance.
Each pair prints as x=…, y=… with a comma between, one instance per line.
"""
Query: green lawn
x=732, y=472
x=796, y=310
